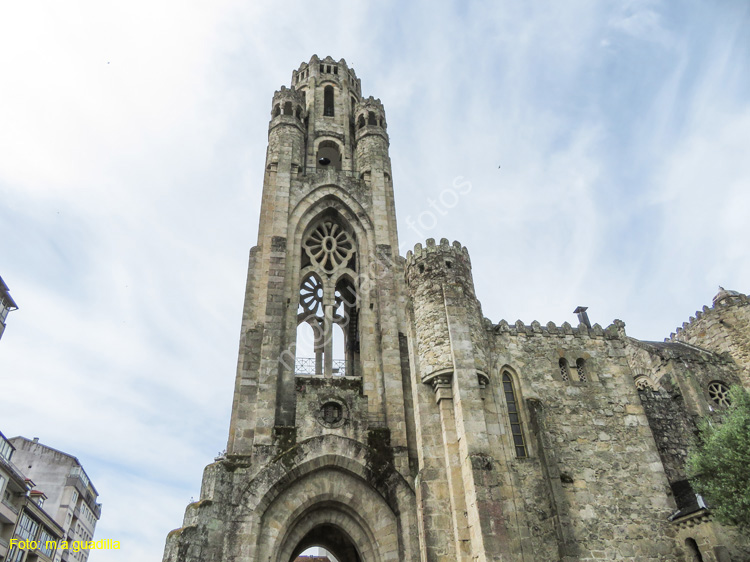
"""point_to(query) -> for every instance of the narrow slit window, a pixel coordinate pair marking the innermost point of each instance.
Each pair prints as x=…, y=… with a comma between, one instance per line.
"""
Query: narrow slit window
x=328, y=101
x=514, y=417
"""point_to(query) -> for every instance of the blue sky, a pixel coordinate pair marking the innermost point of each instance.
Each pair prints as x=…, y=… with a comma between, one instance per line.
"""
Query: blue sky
x=132, y=143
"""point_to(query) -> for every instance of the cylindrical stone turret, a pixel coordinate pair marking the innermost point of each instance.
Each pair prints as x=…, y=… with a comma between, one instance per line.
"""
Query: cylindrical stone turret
x=429, y=270
x=371, y=152
x=286, y=131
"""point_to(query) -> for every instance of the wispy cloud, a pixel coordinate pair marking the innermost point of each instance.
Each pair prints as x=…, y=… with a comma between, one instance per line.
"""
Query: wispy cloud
x=605, y=146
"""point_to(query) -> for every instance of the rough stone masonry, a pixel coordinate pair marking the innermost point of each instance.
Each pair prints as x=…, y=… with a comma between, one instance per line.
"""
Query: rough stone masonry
x=377, y=413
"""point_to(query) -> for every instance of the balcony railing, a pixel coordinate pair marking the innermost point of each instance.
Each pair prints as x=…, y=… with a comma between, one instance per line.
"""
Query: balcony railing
x=305, y=366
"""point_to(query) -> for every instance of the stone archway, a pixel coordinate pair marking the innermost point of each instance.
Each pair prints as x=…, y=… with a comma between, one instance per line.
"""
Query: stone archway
x=333, y=509
x=334, y=526
x=333, y=539
x=282, y=505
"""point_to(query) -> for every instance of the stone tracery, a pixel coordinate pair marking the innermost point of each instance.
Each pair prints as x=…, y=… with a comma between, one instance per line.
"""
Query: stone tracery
x=328, y=297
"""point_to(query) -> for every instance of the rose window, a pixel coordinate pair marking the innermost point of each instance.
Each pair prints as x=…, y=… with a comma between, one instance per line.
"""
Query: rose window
x=329, y=245
x=719, y=393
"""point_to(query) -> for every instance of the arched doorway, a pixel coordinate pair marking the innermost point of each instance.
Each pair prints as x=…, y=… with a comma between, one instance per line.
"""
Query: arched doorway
x=333, y=539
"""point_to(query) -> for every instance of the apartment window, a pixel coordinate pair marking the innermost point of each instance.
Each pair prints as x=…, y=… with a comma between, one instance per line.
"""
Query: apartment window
x=514, y=416
x=45, y=543
x=27, y=527
x=78, y=471
x=6, y=449
x=16, y=555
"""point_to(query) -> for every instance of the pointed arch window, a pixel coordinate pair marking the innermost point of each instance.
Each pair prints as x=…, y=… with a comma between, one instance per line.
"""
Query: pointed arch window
x=514, y=416
x=328, y=300
x=328, y=101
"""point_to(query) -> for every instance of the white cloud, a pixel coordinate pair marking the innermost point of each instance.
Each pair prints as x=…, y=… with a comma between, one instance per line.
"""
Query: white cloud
x=130, y=193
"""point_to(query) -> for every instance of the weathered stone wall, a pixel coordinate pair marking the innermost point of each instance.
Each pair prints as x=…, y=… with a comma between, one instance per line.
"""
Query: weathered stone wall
x=673, y=428
x=607, y=491
x=313, y=393
x=713, y=541
x=675, y=380
x=725, y=327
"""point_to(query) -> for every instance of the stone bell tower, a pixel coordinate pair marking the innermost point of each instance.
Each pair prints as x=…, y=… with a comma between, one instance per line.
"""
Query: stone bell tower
x=318, y=444
x=379, y=415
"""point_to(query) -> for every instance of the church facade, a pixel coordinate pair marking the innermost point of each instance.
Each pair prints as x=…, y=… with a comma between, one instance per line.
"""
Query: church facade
x=378, y=414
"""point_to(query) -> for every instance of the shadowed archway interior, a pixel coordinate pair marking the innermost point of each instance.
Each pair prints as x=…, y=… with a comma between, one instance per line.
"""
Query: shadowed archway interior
x=333, y=539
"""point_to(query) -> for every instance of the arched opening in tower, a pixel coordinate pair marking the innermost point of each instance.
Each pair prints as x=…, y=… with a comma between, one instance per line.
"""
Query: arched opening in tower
x=328, y=156
x=332, y=539
x=346, y=316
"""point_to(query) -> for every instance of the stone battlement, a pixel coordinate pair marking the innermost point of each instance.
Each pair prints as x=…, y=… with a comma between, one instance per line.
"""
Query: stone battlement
x=371, y=102
x=326, y=69
x=552, y=330
x=722, y=301
x=431, y=249
x=288, y=94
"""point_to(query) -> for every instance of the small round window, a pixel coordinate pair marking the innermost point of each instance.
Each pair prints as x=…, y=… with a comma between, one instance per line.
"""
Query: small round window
x=719, y=393
x=332, y=413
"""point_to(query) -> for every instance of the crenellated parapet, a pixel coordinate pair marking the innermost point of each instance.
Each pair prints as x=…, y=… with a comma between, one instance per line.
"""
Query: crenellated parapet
x=446, y=260
x=551, y=330
x=327, y=69
x=722, y=328
x=722, y=302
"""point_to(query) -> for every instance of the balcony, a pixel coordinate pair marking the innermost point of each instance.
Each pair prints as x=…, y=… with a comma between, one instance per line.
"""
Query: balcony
x=8, y=513
x=305, y=367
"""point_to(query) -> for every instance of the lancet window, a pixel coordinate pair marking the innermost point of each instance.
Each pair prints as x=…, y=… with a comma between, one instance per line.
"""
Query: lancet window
x=514, y=416
x=328, y=101
x=328, y=301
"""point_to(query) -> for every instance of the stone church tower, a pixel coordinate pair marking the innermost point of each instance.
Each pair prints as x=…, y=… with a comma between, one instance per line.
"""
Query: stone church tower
x=379, y=415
